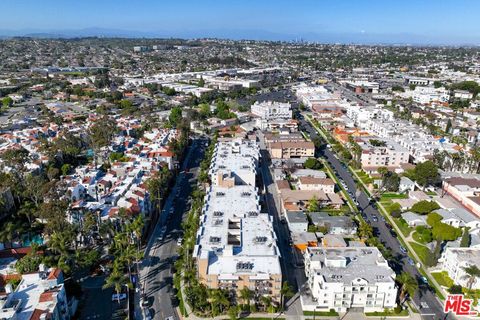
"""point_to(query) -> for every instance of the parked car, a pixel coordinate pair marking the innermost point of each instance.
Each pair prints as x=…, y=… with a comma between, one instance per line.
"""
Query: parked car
x=403, y=250
x=121, y=296
x=410, y=261
x=424, y=280
x=179, y=241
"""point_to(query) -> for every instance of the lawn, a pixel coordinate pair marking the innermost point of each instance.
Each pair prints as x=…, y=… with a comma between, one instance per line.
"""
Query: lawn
x=387, y=313
x=403, y=226
x=443, y=279
x=388, y=196
x=421, y=251
x=418, y=237
x=366, y=179
x=330, y=313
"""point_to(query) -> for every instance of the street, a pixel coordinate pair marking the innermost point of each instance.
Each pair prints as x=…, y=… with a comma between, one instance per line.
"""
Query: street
x=295, y=276
x=424, y=293
x=156, y=278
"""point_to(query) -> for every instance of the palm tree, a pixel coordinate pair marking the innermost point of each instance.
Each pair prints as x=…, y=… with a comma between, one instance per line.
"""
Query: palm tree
x=409, y=286
x=117, y=279
x=246, y=295
x=60, y=242
x=365, y=231
x=472, y=272
x=9, y=232
x=218, y=301
x=222, y=300
x=266, y=302
x=285, y=292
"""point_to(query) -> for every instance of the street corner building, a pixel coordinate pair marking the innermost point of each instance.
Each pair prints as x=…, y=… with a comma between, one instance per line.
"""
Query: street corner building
x=346, y=278
x=236, y=243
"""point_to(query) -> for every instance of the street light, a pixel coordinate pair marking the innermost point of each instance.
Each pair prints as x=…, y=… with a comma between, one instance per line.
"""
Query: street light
x=314, y=312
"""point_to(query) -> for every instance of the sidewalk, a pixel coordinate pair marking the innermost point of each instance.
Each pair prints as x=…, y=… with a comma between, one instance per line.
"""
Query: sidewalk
x=403, y=238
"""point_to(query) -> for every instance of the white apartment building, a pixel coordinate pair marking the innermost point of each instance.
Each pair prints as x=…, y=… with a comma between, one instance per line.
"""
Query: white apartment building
x=269, y=110
x=236, y=244
x=454, y=260
x=327, y=185
x=312, y=95
x=39, y=295
x=238, y=158
x=381, y=122
x=348, y=277
x=362, y=114
x=429, y=94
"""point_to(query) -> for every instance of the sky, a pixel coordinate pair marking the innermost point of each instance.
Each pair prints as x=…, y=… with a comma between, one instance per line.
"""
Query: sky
x=390, y=21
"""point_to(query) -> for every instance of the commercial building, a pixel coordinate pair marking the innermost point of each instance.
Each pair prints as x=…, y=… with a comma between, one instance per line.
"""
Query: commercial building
x=269, y=110
x=348, y=277
x=429, y=94
x=361, y=86
x=236, y=244
x=464, y=190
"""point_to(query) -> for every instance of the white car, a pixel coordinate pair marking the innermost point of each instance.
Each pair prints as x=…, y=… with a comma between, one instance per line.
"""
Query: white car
x=121, y=296
x=179, y=241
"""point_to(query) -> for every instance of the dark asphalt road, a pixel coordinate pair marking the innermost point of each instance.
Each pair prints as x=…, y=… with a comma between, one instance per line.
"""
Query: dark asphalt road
x=382, y=231
x=156, y=275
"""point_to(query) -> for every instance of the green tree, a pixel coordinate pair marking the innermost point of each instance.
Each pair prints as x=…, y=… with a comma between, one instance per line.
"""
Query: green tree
x=382, y=171
x=313, y=163
x=313, y=205
x=449, y=126
x=66, y=169
x=266, y=302
x=7, y=102
x=433, y=218
x=465, y=241
x=455, y=289
x=175, y=116
x=426, y=173
x=395, y=210
x=365, y=231
x=286, y=292
x=472, y=272
x=246, y=295
x=432, y=259
x=425, y=207
x=408, y=286
x=29, y=263
x=204, y=110
x=101, y=133
x=201, y=82
x=11, y=231
x=233, y=312
x=391, y=181
x=445, y=232
x=117, y=280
